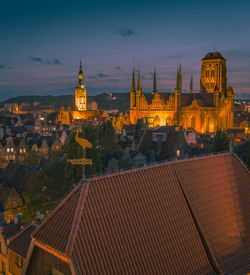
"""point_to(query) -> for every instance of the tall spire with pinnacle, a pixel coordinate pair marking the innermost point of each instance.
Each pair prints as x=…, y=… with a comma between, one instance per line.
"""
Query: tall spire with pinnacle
x=139, y=80
x=80, y=76
x=191, y=86
x=133, y=81
x=154, y=82
x=179, y=79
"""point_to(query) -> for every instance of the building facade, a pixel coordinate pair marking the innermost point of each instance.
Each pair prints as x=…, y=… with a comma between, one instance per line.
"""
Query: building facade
x=80, y=111
x=206, y=111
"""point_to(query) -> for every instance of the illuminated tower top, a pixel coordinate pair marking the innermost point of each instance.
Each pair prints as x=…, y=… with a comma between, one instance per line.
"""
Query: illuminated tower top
x=213, y=73
x=81, y=92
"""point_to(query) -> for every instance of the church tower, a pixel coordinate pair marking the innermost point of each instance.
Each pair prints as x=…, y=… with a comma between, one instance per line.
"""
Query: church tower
x=132, y=91
x=80, y=92
x=213, y=73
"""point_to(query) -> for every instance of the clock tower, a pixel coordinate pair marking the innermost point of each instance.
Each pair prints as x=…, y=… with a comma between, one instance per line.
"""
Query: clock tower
x=81, y=92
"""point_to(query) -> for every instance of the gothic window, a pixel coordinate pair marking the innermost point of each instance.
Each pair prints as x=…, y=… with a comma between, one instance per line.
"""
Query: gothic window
x=168, y=121
x=156, y=121
x=207, y=124
x=193, y=122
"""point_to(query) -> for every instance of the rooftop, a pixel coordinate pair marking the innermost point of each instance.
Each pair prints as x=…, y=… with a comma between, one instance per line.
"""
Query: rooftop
x=188, y=216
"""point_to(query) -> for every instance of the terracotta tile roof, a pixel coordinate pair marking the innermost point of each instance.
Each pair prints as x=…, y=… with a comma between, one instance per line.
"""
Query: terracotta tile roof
x=218, y=189
x=4, y=194
x=156, y=219
x=20, y=243
x=10, y=229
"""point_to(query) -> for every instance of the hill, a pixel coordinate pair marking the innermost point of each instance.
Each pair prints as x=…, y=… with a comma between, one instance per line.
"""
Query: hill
x=119, y=101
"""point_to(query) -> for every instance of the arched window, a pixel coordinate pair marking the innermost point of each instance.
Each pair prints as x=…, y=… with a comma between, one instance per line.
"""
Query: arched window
x=193, y=122
x=207, y=124
x=168, y=121
x=156, y=121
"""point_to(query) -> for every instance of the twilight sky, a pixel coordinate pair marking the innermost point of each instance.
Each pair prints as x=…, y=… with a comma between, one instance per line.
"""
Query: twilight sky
x=41, y=43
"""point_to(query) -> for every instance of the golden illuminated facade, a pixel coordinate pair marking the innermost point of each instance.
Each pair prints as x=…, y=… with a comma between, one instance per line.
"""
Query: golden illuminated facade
x=80, y=112
x=80, y=92
x=207, y=111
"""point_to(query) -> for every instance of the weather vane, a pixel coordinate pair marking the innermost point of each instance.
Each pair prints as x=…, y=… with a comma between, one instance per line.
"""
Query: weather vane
x=84, y=143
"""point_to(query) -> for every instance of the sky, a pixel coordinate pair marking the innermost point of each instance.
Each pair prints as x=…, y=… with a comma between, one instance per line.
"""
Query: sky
x=41, y=43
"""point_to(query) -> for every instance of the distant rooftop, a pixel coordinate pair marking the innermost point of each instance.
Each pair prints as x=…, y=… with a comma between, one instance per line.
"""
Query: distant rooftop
x=213, y=55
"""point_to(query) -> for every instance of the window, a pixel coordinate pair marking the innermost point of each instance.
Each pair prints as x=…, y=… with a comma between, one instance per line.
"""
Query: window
x=8, y=150
x=14, y=204
x=3, y=268
x=19, y=261
x=21, y=150
x=178, y=153
x=12, y=150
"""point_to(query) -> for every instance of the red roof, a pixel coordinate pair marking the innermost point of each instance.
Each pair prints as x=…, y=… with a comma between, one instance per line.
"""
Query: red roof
x=150, y=220
x=20, y=243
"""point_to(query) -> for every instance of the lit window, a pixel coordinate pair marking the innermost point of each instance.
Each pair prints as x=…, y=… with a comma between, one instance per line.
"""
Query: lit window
x=24, y=150
x=8, y=150
x=178, y=153
x=21, y=150
x=14, y=204
x=12, y=150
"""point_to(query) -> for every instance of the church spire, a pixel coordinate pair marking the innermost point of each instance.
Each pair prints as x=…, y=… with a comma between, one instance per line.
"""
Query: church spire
x=80, y=69
x=179, y=79
x=80, y=76
x=133, y=81
x=154, y=82
x=191, y=86
x=139, y=80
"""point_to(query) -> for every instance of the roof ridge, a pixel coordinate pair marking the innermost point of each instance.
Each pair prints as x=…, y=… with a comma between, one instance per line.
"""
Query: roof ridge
x=59, y=206
x=152, y=165
x=77, y=218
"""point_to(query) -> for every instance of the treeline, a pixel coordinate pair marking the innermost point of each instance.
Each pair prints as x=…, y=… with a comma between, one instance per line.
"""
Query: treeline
x=119, y=101
x=59, y=176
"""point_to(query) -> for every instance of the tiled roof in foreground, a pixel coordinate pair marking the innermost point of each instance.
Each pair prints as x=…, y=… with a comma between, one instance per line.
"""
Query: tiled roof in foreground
x=183, y=217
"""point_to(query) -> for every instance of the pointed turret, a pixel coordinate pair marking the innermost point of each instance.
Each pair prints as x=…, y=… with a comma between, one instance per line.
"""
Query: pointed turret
x=191, y=86
x=179, y=80
x=133, y=82
x=139, y=81
x=154, y=82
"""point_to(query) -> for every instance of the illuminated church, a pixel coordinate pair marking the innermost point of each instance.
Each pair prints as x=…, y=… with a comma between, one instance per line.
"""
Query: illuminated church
x=80, y=111
x=206, y=111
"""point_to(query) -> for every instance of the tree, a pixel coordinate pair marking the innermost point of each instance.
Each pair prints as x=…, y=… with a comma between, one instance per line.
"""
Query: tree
x=108, y=137
x=48, y=187
x=220, y=142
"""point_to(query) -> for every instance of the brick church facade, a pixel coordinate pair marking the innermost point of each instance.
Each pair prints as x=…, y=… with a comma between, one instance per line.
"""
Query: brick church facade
x=206, y=111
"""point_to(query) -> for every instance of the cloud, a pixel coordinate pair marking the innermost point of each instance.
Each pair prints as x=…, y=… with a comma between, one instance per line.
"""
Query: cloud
x=2, y=67
x=96, y=76
x=40, y=60
x=113, y=80
x=125, y=32
x=101, y=75
x=118, y=68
